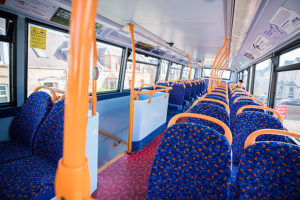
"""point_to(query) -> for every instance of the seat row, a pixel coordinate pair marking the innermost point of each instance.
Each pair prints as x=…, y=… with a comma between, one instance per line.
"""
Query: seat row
x=28, y=162
x=210, y=156
x=183, y=93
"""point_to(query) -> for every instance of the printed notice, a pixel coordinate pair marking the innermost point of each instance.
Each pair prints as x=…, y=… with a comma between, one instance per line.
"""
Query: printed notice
x=262, y=44
x=286, y=20
x=37, y=37
x=61, y=16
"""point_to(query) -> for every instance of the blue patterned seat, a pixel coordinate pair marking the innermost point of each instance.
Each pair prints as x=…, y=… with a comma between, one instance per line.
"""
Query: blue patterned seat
x=218, y=91
x=176, y=96
x=213, y=96
x=269, y=170
x=192, y=162
x=211, y=102
x=194, y=90
x=237, y=96
x=246, y=123
x=212, y=111
x=33, y=177
x=24, y=127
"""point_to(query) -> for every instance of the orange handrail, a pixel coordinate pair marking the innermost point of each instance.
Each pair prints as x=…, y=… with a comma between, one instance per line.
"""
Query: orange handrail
x=220, y=90
x=223, y=69
x=154, y=86
x=132, y=92
x=52, y=90
x=219, y=64
x=94, y=90
x=227, y=132
x=262, y=108
x=151, y=92
x=258, y=100
x=180, y=83
x=251, y=138
x=72, y=176
x=214, y=93
x=190, y=78
x=213, y=65
x=213, y=100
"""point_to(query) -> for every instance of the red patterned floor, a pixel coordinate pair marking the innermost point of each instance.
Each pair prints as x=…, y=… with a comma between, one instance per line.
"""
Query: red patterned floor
x=127, y=178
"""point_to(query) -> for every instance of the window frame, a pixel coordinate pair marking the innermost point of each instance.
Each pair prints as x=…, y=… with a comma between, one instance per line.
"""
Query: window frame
x=225, y=79
x=11, y=38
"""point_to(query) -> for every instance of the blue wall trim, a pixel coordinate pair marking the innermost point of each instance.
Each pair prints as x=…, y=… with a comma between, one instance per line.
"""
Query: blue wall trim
x=139, y=145
x=8, y=112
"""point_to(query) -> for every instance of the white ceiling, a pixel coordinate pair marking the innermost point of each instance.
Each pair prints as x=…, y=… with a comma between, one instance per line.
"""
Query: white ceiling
x=195, y=26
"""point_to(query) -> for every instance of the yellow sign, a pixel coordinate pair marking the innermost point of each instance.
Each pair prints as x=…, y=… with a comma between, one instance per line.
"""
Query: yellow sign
x=38, y=37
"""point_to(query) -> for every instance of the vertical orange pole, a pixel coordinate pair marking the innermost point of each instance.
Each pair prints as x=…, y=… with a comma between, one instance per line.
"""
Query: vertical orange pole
x=214, y=63
x=132, y=92
x=223, y=69
x=220, y=63
x=94, y=92
x=72, y=176
x=190, y=78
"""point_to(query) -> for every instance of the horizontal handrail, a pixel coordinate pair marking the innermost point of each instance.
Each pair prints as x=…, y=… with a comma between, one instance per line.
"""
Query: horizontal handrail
x=214, y=93
x=251, y=138
x=151, y=92
x=151, y=85
x=227, y=132
x=262, y=108
x=213, y=100
x=113, y=137
x=252, y=98
x=52, y=90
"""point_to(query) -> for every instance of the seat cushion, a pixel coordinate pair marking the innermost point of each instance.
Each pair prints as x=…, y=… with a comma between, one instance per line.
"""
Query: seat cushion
x=28, y=178
x=13, y=151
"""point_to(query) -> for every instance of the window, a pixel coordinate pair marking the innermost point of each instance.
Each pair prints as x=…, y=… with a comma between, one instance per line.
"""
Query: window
x=163, y=70
x=289, y=58
x=143, y=74
x=262, y=80
x=48, y=66
x=193, y=73
x=250, y=78
x=287, y=99
x=144, y=58
x=186, y=73
x=226, y=74
x=245, y=77
x=109, y=61
x=175, y=71
x=7, y=64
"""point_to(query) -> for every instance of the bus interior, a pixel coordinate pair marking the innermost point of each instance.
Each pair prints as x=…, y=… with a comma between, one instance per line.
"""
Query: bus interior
x=149, y=99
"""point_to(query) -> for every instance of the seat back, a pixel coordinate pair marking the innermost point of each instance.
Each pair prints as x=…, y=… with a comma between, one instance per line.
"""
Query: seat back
x=269, y=170
x=176, y=95
x=194, y=90
x=237, y=105
x=248, y=122
x=212, y=111
x=213, y=96
x=49, y=140
x=26, y=123
x=188, y=91
x=192, y=162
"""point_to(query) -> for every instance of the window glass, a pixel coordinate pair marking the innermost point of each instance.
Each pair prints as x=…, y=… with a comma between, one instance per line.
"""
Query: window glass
x=2, y=26
x=287, y=99
x=185, y=73
x=262, y=80
x=49, y=66
x=109, y=61
x=245, y=77
x=289, y=58
x=193, y=73
x=144, y=58
x=226, y=74
x=163, y=70
x=175, y=71
x=250, y=79
x=143, y=74
x=4, y=72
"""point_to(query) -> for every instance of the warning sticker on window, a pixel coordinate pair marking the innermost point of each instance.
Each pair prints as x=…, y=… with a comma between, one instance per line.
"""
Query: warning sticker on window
x=37, y=37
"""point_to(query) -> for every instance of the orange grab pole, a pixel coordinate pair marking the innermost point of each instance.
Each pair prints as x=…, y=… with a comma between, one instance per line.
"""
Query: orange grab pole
x=227, y=131
x=52, y=90
x=213, y=65
x=262, y=108
x=218, y=73
x=132, y=92
x=212, y=100
x=244, y=92
x=220, y=63
x=252, y=98
x=251, y=138
x=72, y=176
x=223, y=69
x=94, y=92
x=190, y=78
